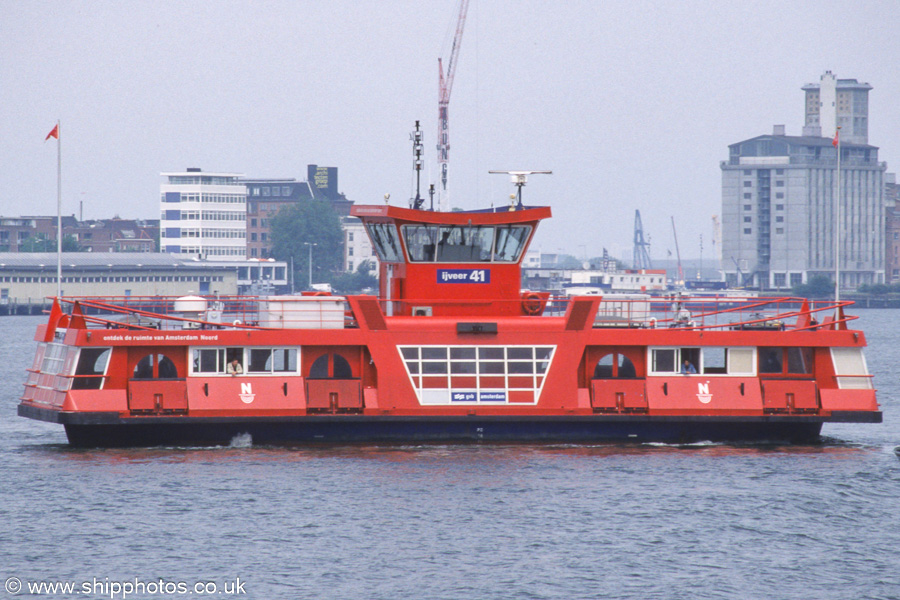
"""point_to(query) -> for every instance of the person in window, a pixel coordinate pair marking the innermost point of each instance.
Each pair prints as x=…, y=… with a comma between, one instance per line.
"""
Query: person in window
x=234, y=368
x=687, y=367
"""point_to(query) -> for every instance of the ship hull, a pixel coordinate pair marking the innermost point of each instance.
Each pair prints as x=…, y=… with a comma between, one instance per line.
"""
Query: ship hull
x=109, y=430
x=399, y=430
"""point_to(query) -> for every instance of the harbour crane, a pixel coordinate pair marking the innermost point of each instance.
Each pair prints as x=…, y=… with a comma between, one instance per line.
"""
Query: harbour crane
x=445, y=86
x=678, y=255
x=641, y=255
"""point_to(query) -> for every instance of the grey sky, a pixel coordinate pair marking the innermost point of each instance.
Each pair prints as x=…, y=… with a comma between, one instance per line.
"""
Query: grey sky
x=631, y=104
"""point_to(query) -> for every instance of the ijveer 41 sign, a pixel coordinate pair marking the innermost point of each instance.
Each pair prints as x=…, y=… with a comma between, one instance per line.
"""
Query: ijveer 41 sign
x=463, y=275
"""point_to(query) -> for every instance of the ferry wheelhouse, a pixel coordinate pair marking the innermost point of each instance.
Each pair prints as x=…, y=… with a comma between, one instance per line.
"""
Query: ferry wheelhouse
x=452, y=350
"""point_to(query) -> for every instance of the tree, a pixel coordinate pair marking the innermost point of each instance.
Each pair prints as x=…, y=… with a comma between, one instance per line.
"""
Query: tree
x=40, y=243
x=312, y=222
x=37, y=243
x=70, y=244
x=818, y=286
x=353, y=283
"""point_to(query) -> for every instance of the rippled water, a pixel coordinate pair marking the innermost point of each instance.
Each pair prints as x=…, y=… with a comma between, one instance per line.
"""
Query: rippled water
x=448, y=522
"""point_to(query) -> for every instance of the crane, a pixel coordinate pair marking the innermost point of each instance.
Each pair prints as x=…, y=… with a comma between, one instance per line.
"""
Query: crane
x=641, y=258
x=445, y=86
x=678, y=254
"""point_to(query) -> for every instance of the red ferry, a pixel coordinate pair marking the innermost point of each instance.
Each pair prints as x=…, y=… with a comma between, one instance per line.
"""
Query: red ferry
x=451, y=350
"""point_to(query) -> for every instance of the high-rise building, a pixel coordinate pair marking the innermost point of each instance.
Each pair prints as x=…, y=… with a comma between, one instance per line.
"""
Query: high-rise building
x=203, y=214
x=779, y=198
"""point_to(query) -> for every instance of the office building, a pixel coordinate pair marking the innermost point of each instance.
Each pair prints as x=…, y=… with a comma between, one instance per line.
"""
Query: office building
x=203, y=214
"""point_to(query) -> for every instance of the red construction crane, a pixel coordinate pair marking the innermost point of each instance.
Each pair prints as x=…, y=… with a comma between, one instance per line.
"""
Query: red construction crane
x=445, y=85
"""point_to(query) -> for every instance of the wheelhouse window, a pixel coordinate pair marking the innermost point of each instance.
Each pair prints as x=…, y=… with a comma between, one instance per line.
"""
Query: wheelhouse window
x=462, y=243
x=510, y=242
x=465, y=244
x=421, y=242
x=385, y=241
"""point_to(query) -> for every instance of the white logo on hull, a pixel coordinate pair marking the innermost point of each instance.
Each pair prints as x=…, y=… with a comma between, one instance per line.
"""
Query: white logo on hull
x=247, y=394
x=703, y=394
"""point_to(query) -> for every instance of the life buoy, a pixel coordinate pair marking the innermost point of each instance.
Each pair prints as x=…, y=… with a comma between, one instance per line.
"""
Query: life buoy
x=532, y=304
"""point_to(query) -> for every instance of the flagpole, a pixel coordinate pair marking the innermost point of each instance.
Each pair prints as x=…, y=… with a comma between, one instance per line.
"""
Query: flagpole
x=58, y=213
x=837, y=223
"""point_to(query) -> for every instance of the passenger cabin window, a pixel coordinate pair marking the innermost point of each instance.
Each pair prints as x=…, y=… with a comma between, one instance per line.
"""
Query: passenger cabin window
x=850, y=369
x=272, y=360
x=664, y=360
x=165, y=368
x=91, y=368
x=385, y=241
x=614, y=365
x=715, y=361
x=256, y=361
x=793, y=361
x=770, y=360
x=799, y=360
x=711, y=360
x=465, y=244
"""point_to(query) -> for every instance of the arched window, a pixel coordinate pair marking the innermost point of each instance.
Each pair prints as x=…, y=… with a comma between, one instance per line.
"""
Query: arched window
x=144, y=368
x=614, y=365
x=165, y=368
x=340, y=367
x=319, y=369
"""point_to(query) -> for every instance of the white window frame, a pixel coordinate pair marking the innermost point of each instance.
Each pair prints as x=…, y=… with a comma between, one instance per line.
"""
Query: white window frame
x=245, y=362
x=730, y=372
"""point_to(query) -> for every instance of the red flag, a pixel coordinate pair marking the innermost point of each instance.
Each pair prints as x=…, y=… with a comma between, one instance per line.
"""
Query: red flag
x=834, y=142
x=54, y=133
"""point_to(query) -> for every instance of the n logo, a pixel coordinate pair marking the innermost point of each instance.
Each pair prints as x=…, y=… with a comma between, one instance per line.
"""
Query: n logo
x=703, y=394
x=247, y=394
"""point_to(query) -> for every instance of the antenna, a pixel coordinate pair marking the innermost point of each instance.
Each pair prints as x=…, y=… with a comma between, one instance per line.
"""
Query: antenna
x=416, y=138
x=519, y=179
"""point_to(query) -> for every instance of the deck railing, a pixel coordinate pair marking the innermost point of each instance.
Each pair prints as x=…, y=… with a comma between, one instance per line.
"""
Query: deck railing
x=331, y=312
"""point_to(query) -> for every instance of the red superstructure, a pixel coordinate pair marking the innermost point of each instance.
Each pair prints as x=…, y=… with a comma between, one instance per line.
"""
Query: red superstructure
x=451, y=350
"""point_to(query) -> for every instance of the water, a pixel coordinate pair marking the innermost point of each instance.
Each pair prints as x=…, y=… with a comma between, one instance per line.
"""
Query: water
x=449, y=522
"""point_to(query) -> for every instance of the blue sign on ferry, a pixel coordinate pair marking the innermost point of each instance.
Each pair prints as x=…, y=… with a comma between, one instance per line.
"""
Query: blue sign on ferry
x=463, y=275
x=470, y=396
